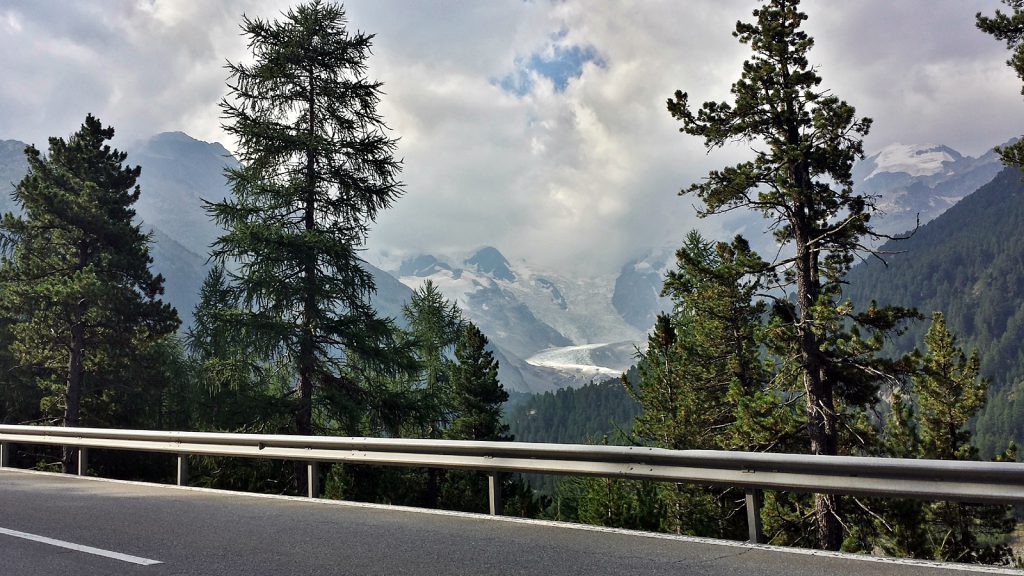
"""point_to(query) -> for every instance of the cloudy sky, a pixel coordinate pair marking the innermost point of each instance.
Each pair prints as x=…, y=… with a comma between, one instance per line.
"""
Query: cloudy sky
x=538, y=126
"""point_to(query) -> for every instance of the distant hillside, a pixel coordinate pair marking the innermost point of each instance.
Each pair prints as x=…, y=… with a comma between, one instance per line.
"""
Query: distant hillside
x=584, y=415
x=969, y=264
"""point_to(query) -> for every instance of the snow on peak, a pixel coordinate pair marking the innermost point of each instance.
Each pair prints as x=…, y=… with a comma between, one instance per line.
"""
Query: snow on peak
x=916, y=160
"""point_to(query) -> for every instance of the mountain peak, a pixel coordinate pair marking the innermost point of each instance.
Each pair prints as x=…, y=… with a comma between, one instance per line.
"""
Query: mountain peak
x=488, y=260
x=913, y=159
x=422, y=266
x=180, y=145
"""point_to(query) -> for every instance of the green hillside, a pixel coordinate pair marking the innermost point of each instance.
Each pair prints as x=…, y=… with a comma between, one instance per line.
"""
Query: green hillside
x=969, y=264
x=584, y=415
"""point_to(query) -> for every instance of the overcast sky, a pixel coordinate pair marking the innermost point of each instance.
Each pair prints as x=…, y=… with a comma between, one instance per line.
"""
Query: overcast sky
x=538, y=127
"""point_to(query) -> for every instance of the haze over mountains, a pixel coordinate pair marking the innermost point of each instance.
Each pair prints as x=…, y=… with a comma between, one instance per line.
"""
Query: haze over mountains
x=548, y=330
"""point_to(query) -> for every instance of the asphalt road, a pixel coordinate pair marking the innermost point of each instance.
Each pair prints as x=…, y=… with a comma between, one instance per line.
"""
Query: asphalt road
x=224, y=534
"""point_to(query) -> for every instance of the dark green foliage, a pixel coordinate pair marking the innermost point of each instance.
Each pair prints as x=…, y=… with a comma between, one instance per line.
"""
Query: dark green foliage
x=598, y=412
x=81, y=304
x=452, y=392
x=435, y=327
x=611, y=502
x=969, y=264
x=948, y=392
x=477, y=398
x=805, y=141
x=20, y=397
x=703, y=385
x=574, y=415
x=1009, y=28
x=316, y=168
x=236, y=391
x=477, y=394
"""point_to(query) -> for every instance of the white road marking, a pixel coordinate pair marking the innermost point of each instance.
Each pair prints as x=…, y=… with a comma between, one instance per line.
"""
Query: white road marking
x=81, y=548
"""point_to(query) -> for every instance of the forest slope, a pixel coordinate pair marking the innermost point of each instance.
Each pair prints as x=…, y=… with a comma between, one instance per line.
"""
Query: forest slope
x=969, y=264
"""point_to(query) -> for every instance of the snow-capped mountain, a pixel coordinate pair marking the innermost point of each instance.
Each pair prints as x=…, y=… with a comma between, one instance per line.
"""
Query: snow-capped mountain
x=919, y=182
x=543, y=318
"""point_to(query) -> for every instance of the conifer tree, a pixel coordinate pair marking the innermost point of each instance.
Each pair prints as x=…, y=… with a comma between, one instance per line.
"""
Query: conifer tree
x=476, y=404
x=76, y=284
x=949, y=393
x=316, y=168
x=1009, y=28
x=235, y=391
x=476, y=392
x=435, y=325
x=805, y=141
x=702, y=383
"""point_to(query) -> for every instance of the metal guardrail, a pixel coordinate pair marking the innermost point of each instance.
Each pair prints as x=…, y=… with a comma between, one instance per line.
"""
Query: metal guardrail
x=982, y=482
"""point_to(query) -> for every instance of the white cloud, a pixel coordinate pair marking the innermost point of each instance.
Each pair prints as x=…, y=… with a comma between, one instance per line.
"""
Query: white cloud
x=581, y=175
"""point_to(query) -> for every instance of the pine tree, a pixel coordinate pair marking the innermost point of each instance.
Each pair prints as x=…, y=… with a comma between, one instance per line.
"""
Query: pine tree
x=805, y=141
x=77, y=285
x=1009, y=28
x=949, y=393
x=476, y=403
x=477, y=394
x=316, y=168
x=702, y=382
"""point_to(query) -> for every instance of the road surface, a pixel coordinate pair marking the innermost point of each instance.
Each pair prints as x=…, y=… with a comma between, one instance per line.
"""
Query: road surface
x=64, y=525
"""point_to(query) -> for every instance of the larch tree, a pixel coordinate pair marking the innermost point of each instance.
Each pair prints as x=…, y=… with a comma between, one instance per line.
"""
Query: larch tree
x=805, y=141
x=435, y=325
x=317, y=166
x=76, y=282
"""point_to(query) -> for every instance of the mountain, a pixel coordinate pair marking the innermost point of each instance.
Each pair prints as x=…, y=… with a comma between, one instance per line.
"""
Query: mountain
x=178, y=174
x=183, y=272
x=637, y=294
x=548, y=329
x=914, y=182
x=553, y=330
x=969, y=264
x=13, y=167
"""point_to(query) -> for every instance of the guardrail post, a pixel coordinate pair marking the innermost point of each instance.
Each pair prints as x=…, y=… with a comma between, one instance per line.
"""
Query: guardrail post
x=83, y=460
x=755, y=497
x=5, y=454
x=494, y=492
x=181, y=475
x=313, y=479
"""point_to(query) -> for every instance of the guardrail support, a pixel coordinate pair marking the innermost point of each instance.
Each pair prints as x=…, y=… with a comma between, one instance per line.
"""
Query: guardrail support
x=494, y=493
x=313, y=479
x=5, y=454
x=83, y=460
x=755, y=498
x=181, y=475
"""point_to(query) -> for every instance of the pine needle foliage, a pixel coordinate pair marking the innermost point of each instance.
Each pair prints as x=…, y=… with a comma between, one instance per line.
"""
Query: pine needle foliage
x=76, y=284
x=804, y=141
x=316, y=168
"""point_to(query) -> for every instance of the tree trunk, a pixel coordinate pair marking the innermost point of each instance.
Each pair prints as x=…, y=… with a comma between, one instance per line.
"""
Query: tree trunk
x=307, y=353
x=821, y=414
x=73, y=395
